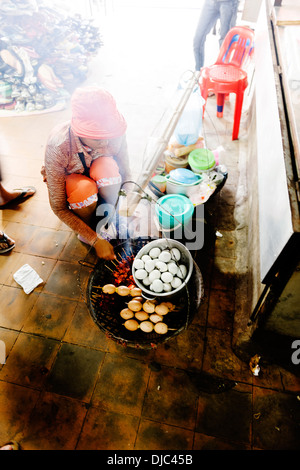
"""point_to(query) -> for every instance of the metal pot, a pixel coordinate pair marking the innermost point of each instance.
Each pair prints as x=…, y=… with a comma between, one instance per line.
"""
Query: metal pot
x=186, y=259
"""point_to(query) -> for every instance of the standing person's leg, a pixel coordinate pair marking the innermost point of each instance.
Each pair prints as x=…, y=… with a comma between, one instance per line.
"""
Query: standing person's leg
x=208, y=18
x=228, y=13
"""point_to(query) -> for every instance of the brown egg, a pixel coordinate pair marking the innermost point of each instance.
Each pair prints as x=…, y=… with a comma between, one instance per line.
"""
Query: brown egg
x=146, y=326
x=141, y=315
x=126, y=313
x=135, y=305
x=149, y=306
x=109, y=289
x=160, y=328
x=161, y=309
x=155, y=318
x=131, y=325
x=123, y=290
x=135, y=291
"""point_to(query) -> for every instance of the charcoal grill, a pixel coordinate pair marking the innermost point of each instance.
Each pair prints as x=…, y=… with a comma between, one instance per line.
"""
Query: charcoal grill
x=105, y=308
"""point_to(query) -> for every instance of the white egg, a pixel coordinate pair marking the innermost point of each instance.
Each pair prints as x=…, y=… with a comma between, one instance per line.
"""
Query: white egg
x=161, y=266
x=155, y=274
x=138, y=263
x=175, y=254
x=165, y=256
x=176, y=282
x=157, y=285
x=140, y=274
x=167, y=277
x=172, y=268
x=146, y=281
x=154, y=252
x=182, y=271
x=145, y=258
x=149, y=265
x=167, y=287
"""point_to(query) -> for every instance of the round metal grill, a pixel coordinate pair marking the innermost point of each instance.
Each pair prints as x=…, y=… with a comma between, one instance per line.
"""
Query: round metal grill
x=105, y=308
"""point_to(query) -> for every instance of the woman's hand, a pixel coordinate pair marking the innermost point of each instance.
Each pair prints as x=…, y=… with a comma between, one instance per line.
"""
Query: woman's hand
x=104, y=249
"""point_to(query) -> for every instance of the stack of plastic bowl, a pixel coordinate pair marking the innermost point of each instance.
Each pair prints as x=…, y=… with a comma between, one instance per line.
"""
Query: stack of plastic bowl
x=201, y=160
x=181, y=181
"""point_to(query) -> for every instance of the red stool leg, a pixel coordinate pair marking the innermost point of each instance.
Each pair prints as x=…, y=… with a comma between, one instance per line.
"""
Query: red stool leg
x=237, y=114
x=220, y=104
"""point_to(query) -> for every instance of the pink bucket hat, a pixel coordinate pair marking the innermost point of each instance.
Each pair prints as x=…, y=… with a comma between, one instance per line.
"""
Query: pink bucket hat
x=95, y=114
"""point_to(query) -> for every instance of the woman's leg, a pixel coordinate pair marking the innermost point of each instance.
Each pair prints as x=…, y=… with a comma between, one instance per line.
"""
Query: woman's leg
x=105, y=172
x=82, y=196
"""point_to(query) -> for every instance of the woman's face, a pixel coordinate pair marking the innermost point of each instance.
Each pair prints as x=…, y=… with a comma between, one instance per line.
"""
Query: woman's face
x=93, y=143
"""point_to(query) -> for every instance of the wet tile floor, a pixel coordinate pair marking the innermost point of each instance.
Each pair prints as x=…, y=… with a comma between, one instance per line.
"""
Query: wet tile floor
x=66, y=386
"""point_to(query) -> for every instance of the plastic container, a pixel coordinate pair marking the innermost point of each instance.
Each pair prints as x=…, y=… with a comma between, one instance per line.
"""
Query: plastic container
x=179, y=188
x=159, y=182
x=173, y=210
x=201, y=160
x=172, y=162
x=184, y=176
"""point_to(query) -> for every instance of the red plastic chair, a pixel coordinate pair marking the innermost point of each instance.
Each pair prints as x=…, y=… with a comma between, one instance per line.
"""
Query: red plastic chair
x=227, y=75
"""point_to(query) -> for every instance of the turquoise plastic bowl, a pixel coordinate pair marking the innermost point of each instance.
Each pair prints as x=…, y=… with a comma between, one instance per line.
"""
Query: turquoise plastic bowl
x=173, y=209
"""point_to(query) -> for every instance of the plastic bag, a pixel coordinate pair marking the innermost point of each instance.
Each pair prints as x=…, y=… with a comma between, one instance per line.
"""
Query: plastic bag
x=189, y=126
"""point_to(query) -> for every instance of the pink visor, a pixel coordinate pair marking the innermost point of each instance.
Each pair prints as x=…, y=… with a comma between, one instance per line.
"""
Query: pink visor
x=95, y=114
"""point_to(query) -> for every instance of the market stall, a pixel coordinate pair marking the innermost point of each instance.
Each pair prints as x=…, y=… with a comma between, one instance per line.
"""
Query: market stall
x=44, y=55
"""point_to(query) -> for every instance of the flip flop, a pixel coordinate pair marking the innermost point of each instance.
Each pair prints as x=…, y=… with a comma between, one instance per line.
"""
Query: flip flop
x=13, y=444
x=20, y=198
x=4, y=239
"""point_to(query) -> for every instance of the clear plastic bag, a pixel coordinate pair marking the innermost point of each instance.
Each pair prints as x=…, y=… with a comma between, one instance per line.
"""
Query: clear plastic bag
x=189, y=126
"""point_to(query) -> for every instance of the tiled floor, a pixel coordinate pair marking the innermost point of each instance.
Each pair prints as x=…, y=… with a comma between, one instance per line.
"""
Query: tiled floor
x=65, y=385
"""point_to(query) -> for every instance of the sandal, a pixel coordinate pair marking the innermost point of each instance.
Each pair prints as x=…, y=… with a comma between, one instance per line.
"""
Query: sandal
x=21, y=197
x=4, y=239
x=14, y=445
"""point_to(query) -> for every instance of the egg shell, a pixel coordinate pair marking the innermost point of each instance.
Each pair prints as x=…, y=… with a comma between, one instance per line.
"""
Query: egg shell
x=141, y=274
x=145, y=258
x=165, y=256
x=176, y=282
x=157, y=285
x=155, y=252
x=146, y=281
x=182, y=271
x=138, y=263
x=149, y=265
x=175, y=254
x=167, y=277
x=155, y=274
x=146, y=326
x=161, y=266
x=172, y=268
x=167, y=287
